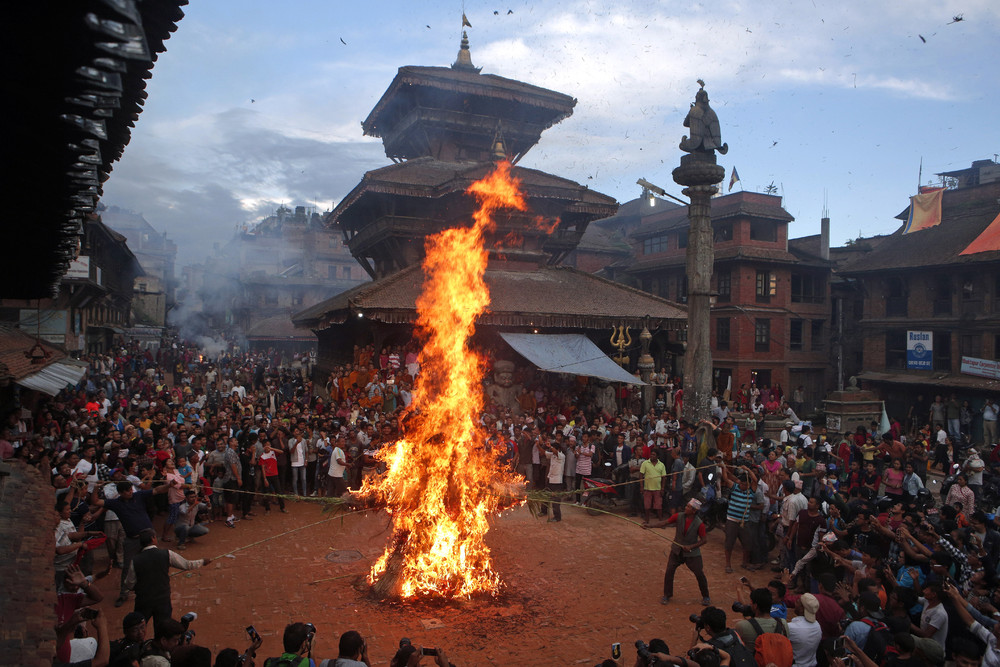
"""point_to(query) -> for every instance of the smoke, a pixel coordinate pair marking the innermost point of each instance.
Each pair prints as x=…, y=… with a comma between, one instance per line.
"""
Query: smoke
x=211, y=347
x=264, y=274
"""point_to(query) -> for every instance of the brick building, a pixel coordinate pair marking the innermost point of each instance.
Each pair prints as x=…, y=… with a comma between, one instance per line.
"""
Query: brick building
x=250, y=286
x=155, y=288
x=944, y=281
x=94, y=301
x=772, y=313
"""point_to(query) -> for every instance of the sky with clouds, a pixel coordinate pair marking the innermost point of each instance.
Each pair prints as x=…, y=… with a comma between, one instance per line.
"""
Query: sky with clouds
x=257, y=103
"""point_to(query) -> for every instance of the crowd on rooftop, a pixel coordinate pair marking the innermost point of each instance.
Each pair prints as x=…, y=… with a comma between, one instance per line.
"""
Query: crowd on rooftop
x=869, y=558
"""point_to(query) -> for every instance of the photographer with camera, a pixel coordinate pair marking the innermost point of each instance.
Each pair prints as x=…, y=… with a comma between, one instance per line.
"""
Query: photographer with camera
x=710, y=628
x=168, y=635
x=409, y=655
x=99, y=622
x=297, y=644
x=700, y=655
x=352, y=651
x=130, y=646
x=757, y=617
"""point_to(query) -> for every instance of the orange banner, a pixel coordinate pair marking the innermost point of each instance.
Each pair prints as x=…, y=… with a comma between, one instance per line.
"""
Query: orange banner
x=987, y=241
x=925, y=211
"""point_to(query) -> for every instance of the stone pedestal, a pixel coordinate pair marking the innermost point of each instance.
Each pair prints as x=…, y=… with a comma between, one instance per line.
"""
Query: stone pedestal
x=848, y=409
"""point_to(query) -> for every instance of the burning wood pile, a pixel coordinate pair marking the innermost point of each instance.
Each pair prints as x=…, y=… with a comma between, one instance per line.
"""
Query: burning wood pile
x=441, y=483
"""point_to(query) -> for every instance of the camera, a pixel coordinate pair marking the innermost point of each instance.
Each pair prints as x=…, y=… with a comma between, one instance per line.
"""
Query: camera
x=428, y=651
x=88, y=614
x=696, y=619
x=185, y=622
x=253, y=634
x=744, y=609
x=642, y=649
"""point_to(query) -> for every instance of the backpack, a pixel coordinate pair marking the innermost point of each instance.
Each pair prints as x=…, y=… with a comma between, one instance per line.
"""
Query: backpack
x=739, y=655
x=772, y=647
x=879, y=644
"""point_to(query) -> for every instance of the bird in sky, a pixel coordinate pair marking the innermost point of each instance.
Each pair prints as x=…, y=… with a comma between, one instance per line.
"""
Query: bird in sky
x=956, y=18
x=343, y=42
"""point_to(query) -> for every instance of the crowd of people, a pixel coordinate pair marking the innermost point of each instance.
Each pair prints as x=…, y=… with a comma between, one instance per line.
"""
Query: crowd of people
x=869, y=564
x=867, y=561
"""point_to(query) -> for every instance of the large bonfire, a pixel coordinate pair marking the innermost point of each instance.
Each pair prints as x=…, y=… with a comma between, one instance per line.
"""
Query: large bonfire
x=442, y=483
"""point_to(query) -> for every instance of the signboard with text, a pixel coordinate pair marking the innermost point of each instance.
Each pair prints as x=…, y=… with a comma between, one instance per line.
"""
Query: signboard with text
x=79, y=268
x=984, y=368
x=920, y=350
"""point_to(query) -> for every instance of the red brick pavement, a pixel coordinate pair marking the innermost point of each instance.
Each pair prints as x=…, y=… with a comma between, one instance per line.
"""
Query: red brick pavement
x=573, y=588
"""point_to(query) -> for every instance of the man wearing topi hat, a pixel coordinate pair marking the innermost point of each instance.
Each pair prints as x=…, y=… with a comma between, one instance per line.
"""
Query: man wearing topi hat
x=686, y=549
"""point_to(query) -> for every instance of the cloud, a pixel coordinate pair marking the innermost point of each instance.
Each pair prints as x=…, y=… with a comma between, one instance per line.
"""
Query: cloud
x=223, y=170
x=824, y=77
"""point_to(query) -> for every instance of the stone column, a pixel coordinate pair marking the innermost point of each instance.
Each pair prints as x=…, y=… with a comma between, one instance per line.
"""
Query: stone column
x=699, y=172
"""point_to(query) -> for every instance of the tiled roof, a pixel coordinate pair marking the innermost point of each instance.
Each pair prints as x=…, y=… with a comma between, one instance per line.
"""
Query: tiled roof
x=721, y=254
x=279, y=327
x=549, y=296
x=13, y=344
x=965, y=213
x=738, y=204
x=597, y=239
x=807, y=251
x=470, y=83
x=428, y=177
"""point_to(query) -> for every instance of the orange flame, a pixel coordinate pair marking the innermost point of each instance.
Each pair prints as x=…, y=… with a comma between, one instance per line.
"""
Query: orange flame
x=547, y=226
x=511, y=240
x=441, y=483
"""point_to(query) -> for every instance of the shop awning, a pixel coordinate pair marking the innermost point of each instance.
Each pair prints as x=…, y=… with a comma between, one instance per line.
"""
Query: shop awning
x=53, y=378
x=574, y=354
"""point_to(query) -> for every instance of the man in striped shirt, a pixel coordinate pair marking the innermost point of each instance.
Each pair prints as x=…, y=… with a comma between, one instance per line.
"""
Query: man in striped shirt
x=738, y=515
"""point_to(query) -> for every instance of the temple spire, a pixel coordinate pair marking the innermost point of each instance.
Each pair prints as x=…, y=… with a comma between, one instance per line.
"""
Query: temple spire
x=464, y=59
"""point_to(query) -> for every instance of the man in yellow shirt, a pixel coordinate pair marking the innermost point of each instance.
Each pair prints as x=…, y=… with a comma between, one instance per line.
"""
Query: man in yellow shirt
x=653, y=472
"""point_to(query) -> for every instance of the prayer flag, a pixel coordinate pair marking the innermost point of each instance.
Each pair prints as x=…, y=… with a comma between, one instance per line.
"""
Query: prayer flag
x=925, y=211
x=884, y=426
x=734, y=179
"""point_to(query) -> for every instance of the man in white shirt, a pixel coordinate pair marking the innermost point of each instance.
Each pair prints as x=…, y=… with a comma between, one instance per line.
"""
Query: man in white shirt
x=784, y=436
x=297, y=456
x=804, y=632
x=557, y=464
x=934, y=618
x=86, y=466
x=336, y=486
x=661, y=429
x=990, y=413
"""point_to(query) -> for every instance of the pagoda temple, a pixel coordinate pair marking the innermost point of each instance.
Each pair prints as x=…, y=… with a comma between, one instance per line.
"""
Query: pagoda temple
x=444, y=128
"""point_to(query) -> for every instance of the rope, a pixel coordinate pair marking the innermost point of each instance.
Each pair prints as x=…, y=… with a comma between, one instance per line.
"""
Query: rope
x=274, y=537
x=533, y=498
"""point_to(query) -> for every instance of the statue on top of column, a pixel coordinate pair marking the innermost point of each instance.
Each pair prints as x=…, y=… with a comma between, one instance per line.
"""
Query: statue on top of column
x=705, y=133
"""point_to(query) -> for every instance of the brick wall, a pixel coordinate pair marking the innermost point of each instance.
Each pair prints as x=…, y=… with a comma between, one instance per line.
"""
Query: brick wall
x=27, y=546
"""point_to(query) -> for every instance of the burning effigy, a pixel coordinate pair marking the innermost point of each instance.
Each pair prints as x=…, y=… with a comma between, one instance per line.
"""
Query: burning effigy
x=442, y=483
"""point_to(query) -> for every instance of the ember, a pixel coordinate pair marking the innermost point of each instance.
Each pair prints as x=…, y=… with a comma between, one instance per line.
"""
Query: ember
x=441, y=483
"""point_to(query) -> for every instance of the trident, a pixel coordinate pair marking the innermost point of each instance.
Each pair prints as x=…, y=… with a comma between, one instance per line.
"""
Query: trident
x=621, y=339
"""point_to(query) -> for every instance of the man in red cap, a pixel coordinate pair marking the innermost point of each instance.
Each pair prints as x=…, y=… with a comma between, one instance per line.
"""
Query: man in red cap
x=686, y=549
